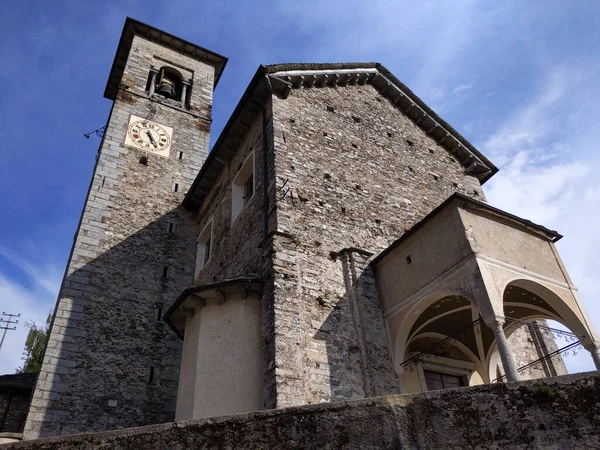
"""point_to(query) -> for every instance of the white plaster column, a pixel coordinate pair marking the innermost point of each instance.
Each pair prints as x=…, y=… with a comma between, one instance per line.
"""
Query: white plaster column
x=153, y=73
x=594, y=349
x=184, y=88
x=508, y=362
x=400, y=377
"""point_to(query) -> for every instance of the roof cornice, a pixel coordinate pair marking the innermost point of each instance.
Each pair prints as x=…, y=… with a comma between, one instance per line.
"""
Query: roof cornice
x=134, y=27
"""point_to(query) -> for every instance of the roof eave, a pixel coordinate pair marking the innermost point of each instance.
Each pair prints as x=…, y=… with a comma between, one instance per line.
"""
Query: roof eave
x=221, y=285
x=281, y=78
x=252, y=97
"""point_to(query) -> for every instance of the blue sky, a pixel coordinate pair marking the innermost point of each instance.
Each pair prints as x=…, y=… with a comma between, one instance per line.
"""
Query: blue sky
x=520, y=80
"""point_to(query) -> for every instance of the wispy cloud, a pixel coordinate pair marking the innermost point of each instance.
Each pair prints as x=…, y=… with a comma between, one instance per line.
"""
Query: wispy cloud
x=461, y=88
x=33, y=298
x=47, y=277
x=547, y=153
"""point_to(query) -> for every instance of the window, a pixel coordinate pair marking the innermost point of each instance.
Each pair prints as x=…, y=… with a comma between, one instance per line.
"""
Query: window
x=204, y=247
x=243, y=187
x=439, y=380
x=249, y=189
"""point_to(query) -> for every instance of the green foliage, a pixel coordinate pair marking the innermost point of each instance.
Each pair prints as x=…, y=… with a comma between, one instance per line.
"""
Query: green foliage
x=34, y=346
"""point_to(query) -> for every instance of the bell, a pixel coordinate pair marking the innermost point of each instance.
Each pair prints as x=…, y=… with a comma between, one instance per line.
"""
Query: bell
x=165, y=87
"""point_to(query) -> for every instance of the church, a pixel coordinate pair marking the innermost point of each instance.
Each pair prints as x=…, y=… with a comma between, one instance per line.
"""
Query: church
x=335, y=244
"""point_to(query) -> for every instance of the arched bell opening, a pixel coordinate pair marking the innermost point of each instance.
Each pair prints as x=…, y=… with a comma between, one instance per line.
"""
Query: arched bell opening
x=527, y=308
x=169, y=83
x=439, y=346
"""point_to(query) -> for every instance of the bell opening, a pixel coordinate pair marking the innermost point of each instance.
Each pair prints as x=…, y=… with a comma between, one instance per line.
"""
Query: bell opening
x=169, y=83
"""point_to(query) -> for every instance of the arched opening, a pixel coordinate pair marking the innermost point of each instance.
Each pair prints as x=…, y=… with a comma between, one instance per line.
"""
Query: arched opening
x=169, y=83
x=439, y=346
x=528, y=308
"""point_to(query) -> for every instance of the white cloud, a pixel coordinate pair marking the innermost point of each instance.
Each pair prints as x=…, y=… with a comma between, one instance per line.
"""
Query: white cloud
x=48, y=277
x=33, y=299
x=547, y=154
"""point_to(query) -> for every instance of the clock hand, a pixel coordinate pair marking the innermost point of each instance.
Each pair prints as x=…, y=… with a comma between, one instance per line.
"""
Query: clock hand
x=151, y=138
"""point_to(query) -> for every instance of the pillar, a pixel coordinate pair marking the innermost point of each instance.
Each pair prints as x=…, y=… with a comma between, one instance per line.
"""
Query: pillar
x=184, y=88
x=153, y=73
x=400, y=378
x=508, y=362
x=594, y=349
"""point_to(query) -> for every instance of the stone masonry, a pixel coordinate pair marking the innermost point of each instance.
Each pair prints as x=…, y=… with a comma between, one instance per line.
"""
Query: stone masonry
x=347, y=173
x=529, y=344
x=359, y=174
x=110, y=361
x=557, y=413
x=339, y=174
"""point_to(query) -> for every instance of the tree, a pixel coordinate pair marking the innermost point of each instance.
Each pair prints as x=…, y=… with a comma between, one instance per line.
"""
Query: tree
x=34, y=346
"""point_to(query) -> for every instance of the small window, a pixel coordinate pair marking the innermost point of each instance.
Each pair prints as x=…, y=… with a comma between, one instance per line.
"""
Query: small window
x=204, y=247
x=249, y=189
x=243, y=187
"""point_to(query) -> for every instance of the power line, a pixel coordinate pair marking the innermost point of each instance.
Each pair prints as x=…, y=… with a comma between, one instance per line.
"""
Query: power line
x=5, y=324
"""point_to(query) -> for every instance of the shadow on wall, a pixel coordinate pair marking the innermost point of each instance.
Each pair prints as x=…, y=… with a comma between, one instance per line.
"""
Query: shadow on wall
x=358, y=362
x=111, y=361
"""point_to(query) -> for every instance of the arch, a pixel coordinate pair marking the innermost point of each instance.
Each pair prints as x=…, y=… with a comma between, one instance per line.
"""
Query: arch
x=573, y=320
x=458, y=345
x=556, y=308
x=412, y=315
x=169, y=83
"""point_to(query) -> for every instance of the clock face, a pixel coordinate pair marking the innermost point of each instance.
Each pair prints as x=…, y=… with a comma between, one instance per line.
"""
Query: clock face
x=149, y=136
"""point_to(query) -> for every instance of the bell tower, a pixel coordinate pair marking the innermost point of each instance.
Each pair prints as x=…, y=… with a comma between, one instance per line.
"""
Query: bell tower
x=109, y=361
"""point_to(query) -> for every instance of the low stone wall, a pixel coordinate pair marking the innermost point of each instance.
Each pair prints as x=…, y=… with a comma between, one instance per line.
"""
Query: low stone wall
x=553, y=413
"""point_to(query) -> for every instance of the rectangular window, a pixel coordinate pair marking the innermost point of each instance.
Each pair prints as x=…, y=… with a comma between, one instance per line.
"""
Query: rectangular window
x=207, y=251
x=243, y=187
x=204, y=247
x=438, y=380
x=249, y=189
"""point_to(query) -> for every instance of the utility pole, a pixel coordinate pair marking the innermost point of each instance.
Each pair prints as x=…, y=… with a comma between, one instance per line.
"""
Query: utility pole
x=5, y=324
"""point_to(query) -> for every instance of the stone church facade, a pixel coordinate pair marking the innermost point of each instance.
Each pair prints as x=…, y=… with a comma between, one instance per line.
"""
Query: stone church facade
x=334, y=244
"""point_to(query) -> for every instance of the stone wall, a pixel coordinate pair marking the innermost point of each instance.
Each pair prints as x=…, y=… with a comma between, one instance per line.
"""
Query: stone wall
x=235, y=244
x=529, y=344
x=352, y=172
x=110, y=361
x=557, y=413
x=15, y=394
x=243, y=247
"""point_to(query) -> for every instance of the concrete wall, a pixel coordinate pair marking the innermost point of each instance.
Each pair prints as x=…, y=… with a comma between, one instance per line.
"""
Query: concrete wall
x=437, y=246
x=501, y=240
x=106, y=334
x=352, y=171
x=558, y=413
x=223, y=354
